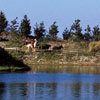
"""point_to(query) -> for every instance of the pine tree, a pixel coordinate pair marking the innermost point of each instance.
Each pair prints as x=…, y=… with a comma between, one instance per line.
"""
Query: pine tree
x=66, y=34
x=96, y=33
x=39, y=31
x=25, y=27
x=87, y=35
x=3, y=22
x=76, y=30
x=53, y=31
x=14, y=26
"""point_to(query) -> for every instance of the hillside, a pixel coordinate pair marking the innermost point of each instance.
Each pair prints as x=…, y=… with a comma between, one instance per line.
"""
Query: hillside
x=71, y=53
x=10, y=63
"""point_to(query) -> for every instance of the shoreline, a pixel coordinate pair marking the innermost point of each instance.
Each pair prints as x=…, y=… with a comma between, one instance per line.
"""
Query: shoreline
x=68, y=64
x=63, y=65
x=74, y=69
x=13, y=69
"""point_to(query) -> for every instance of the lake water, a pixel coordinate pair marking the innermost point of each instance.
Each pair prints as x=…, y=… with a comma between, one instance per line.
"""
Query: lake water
x=49, y=86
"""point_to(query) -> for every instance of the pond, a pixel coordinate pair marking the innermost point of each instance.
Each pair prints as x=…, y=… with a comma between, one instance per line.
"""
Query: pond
x=49, y=86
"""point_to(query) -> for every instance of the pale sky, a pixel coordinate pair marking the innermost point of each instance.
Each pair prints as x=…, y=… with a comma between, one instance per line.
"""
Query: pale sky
x=64, y=12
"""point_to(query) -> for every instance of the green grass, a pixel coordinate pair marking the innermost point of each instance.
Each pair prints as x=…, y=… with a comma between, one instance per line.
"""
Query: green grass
x=13, y=44
x=16, y=53
x=49, y=56
x=11, y=68
x=41, y=43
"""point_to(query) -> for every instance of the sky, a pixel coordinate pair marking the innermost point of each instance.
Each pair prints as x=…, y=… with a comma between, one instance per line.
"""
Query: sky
x=64, y=12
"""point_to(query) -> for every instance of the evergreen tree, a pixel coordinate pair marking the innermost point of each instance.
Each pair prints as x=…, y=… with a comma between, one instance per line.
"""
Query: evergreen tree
x=25, y=27
x=87, y=35
x=66, y=34
x=3, y=22
x=36, y=30
x=14, y=31
x=96, y=33
x=76, y=30
x=14, y=26
x=39, y=31
x=53, y=31
x=42, y=29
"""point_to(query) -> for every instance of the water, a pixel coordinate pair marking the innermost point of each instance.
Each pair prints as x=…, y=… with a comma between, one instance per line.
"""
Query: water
x=49, y=86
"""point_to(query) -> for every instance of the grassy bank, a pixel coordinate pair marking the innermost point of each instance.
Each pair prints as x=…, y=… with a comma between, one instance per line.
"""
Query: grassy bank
x=10, y=63
x=69, y=58
x=72, y=54
x=12, y=68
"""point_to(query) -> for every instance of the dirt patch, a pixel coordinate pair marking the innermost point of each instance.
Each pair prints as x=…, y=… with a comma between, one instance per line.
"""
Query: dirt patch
x=94, y=46
x=2, y=45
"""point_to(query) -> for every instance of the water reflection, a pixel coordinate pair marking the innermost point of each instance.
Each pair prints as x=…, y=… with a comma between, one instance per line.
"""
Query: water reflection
x=65, y=68
x=2, y=86
x=46, y=86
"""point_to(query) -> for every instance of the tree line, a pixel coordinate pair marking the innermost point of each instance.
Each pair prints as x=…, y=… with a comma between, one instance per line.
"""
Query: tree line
x=24, y=29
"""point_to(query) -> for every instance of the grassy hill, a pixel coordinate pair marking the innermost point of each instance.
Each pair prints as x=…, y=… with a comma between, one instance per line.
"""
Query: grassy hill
x=71, y=53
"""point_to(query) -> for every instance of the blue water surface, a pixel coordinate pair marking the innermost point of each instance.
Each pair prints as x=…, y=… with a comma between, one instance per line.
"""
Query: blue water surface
x=49, y=86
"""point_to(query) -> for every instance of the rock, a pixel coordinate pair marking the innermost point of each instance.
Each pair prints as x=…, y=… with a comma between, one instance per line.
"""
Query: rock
x=46, y=46
x=2, y=45
x=94, y=46
x=57, y=47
